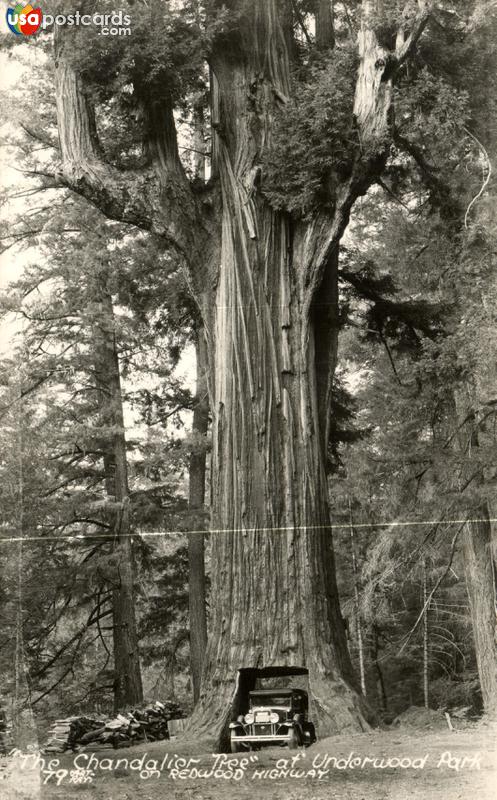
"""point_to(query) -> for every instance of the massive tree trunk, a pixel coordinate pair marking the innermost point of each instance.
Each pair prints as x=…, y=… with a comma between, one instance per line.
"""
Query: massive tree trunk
x=477, y=546
x=275, y=601
x=480, y=583
x=269, y=302
x=479, y=538
x=127, y=675
x=196, y=544
x=273, y=348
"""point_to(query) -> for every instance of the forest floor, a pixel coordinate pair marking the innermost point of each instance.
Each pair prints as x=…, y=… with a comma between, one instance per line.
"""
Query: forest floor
x=434, y=765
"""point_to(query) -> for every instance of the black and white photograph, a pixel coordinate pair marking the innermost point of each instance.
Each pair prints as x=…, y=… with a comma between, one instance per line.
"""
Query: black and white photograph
x=248, y=400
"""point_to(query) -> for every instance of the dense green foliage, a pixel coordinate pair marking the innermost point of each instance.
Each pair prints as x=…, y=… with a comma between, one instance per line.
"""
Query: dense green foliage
x=306, y=156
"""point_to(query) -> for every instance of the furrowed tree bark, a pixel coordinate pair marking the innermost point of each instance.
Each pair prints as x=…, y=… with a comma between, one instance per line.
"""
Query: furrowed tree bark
x=274, y=594
x=357, y=606
x=477, y=545
x=478, y=391
x=479, y=538
x=477, y=552
x=269, y=303
x=426, y=664
x=325, y=30
x=380, y=681
x=273, y=343
x=128, y=688
x=196, y=543
x=480, y=584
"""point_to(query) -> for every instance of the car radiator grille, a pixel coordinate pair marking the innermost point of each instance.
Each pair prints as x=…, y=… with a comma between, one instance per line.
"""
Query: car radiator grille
x=264, y=729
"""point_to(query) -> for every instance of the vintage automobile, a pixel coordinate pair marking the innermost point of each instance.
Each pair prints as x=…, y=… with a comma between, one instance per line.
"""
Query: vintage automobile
x=275, y=716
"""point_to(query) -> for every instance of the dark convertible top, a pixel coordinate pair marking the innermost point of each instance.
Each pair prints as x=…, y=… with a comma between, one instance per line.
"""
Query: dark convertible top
x=276, y=691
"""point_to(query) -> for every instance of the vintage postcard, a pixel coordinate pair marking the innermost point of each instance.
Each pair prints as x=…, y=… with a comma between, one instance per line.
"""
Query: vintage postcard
x=248, y=400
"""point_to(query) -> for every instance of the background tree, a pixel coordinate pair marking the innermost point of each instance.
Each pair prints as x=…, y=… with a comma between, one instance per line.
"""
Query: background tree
x=73, y=350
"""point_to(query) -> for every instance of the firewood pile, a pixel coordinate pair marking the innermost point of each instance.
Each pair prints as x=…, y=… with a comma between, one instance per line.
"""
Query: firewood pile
x=149, y=723
x=6, y=741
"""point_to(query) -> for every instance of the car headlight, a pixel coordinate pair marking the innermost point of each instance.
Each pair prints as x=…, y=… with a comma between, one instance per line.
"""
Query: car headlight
x=249, y=718
x=274, y=717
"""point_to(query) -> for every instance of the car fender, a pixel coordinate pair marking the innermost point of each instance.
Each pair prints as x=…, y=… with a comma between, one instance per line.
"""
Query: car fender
x=291, y=724
x=296, y=726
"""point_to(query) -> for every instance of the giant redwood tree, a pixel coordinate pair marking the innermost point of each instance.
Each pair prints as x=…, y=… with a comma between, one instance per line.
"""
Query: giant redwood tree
x=259, y=244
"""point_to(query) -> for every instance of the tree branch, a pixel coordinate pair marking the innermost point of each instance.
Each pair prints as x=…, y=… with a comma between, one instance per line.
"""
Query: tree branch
x=40, y=136
x=76, y=638
x=158, y=199
x=405, y=48
x=433, y=592
x=486, y=178
x=301, y=22
x=440, y=190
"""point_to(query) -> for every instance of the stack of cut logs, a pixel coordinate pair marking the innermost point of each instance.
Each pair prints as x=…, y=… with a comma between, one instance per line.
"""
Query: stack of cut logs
x=140, y=724
x=5, y=733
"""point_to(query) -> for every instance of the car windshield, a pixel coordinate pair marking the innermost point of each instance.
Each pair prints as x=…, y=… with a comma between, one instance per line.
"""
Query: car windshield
x=270, y=700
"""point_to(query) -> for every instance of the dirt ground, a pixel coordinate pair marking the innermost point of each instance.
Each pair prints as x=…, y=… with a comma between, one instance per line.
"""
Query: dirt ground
x=381, y=765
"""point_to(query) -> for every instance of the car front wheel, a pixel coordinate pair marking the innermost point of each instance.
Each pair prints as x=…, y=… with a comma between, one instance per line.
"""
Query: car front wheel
x=310, y=732
x=294, y=740
x=236, y=747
